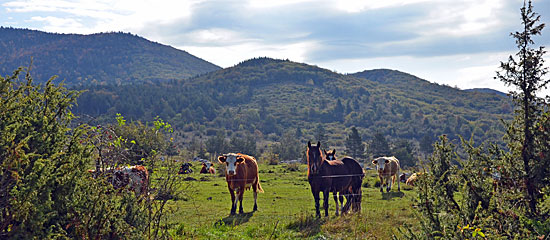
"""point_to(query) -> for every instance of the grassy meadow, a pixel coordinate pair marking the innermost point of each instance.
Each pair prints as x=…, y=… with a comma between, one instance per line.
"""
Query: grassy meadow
x=285, y=210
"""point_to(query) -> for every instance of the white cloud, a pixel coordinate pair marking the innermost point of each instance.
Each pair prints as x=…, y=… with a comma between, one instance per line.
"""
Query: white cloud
x=55, y=24
x=226, y=56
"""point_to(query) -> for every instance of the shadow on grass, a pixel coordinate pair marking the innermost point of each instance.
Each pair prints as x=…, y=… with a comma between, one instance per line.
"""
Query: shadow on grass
x=390, y=195
x=308, y=225
x=234, y=220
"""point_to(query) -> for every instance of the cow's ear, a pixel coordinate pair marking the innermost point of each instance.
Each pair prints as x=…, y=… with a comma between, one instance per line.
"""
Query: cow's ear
x=387, y=161
x=375, y=162
x=240, y=159
x=308, y=144
x=221, y=159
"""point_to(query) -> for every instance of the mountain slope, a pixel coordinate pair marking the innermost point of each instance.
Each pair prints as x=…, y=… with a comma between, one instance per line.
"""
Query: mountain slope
x=270, y=97
x=104, y=58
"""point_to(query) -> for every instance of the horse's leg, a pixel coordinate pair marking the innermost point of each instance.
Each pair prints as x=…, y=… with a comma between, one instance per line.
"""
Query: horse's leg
x=349, y=201
x=341, y=197
x=335, y=196
x=316, y=198
x=325, y=201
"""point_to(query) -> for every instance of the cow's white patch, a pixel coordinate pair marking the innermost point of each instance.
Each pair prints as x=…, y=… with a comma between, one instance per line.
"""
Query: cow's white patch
x=231, y=162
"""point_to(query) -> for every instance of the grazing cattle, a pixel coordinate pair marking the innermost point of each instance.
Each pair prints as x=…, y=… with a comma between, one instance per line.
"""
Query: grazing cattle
x=207, y=167
x=133, y=178
x=403, y=177
x=412, y=179
x=388, y=168
x=354, y=191
x=185, y=169
x=328, y=176
x=241, y=174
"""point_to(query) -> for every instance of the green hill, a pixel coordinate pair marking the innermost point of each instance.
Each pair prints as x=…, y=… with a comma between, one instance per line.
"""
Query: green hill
x=268, y=97
x=103, y=58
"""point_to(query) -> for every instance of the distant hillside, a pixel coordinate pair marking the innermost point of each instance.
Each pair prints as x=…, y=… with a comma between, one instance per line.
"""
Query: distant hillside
x=486, y=90
x=270, y=97
x=103, y=58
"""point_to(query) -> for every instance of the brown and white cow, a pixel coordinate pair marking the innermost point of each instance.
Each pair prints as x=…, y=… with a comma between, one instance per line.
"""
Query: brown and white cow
x=388, y=168
x=241, y=174
x=412, y=179
x=207, y=167
x=133, y=178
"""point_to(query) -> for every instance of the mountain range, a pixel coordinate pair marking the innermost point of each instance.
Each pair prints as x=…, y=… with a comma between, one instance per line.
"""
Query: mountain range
x=102, y=58
x=261, y=97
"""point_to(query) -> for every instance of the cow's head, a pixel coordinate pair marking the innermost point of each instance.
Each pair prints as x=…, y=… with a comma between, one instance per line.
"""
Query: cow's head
x=231, y=160
x=330, y=155
x=380, y=163
x=314, y=157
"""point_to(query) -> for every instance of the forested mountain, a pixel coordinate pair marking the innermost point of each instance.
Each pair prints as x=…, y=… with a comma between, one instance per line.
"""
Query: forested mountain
x=102, y=58
x=267, y=98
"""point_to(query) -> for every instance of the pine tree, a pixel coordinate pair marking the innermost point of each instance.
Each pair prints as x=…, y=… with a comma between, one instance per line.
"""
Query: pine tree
x=379, y=146
x=527, y=75
x=354, y=145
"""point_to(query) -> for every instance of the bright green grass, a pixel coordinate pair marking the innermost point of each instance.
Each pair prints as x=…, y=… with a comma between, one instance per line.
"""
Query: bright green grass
x=286, y=210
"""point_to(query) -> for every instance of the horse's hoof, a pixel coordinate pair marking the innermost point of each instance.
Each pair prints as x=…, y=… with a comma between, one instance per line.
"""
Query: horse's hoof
x=255, y=209
x=232, y=213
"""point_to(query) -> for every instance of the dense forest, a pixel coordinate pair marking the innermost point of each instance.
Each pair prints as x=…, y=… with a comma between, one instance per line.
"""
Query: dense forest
x=103, y=58
x=269, y=98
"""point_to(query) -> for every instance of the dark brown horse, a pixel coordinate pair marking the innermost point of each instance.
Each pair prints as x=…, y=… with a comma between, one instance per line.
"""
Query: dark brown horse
x=328, y=176
x=354, y=193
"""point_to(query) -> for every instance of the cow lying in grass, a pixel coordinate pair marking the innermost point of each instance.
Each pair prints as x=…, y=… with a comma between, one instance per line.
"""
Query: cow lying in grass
x=241, y=174
x=207, y=167
x=133, y=178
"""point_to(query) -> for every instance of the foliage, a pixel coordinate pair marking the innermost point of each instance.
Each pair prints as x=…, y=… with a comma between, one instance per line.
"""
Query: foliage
x=527, y=75
x=404, y=151
x=494, y=193
x=379, y=146
x=102, y=58
x=263, y=96
x=354, y=144
x=46, y=191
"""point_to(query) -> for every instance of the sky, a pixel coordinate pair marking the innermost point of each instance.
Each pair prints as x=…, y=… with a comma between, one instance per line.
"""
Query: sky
x=459, y=43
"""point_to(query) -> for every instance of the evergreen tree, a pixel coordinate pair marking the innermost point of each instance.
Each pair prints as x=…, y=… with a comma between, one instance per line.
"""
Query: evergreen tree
x=320, y=133
x=379, y=146
x=425, y=144
x=527, y=75
x=354, y=145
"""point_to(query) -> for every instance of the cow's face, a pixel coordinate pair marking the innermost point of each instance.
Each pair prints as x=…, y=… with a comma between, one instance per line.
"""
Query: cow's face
x=314, y=157
x=231, y=160
x=380, y=163
x=330, y=155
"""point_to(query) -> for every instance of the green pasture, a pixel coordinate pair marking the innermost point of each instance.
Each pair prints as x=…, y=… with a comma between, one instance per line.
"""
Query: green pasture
x=285, y=210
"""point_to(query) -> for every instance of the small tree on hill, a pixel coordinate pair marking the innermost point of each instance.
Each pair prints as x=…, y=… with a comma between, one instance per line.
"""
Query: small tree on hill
x=354, y=145
x=527, y=75
x=379, y=146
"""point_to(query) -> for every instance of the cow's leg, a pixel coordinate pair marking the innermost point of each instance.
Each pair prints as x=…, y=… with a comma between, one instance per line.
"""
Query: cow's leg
x=233, y=202
x=381, y=184
x=325, y=201
x=316, y=197
x=255, y=189
x=241, y=193
x=388, y=184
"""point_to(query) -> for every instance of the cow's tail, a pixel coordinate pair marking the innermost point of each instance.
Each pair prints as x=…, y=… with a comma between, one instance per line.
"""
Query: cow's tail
x=260, y=189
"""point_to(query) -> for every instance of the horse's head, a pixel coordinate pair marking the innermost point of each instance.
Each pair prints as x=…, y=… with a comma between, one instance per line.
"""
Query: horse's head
x=330, y=155
x=314, y=157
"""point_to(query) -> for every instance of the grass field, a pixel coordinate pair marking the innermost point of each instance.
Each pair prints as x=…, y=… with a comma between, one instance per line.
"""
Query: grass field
x=286, y=209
